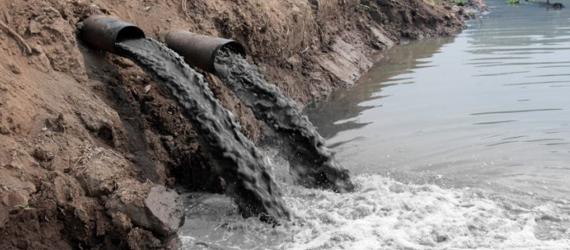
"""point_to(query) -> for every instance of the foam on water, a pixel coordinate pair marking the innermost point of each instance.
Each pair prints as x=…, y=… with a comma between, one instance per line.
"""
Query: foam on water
x=386, y=214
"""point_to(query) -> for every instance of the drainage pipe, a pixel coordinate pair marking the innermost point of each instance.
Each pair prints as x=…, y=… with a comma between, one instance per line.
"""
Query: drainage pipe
x=104, y=32
x=200, y=50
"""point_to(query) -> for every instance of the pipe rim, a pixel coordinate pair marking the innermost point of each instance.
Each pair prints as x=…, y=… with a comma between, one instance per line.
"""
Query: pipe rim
x=103, y=32
x=231, y=45
x=130, y=32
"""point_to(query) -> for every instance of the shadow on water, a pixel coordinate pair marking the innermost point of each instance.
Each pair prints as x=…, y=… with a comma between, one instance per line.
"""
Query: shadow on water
x=347, y=105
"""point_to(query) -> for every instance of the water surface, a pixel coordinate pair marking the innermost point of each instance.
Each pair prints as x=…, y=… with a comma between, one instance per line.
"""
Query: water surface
x=491, y=105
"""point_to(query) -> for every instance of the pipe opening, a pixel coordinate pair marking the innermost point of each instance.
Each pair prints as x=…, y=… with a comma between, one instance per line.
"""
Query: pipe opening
x=199, y=50
x=233, y=46
x=129, y=33
x=104, y=32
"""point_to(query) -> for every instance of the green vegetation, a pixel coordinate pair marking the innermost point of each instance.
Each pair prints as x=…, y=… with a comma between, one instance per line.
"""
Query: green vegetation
x=460, y=2
x=513, y=2
x=25, y=207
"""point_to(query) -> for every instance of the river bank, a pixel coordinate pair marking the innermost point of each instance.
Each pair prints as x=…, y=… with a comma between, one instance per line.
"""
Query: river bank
x=91, y=147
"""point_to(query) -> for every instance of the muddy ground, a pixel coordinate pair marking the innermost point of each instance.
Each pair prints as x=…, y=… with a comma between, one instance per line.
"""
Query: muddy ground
x=91, y=147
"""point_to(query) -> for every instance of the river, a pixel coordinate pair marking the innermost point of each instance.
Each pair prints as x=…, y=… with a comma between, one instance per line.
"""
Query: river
x=454, y=143
x=488, y=106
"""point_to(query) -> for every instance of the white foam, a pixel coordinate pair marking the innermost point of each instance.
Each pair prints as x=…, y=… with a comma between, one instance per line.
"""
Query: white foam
x=386, y=214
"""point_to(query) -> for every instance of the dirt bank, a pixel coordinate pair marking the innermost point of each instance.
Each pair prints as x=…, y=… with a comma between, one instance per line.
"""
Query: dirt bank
x=90, y=146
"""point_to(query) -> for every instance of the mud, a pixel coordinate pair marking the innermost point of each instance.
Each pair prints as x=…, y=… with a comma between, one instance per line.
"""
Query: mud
x=81, y=130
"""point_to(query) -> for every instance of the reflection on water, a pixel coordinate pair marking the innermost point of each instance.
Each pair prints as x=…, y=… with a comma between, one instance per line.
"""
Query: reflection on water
x=489, y=106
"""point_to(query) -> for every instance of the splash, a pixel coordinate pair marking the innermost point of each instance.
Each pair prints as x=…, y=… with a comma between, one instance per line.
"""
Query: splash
x=386, y=214
x=291, y=131
x=232, y=155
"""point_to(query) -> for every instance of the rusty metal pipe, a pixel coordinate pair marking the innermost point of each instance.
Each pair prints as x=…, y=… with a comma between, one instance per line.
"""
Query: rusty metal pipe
x=104, y=32
x=200, y=50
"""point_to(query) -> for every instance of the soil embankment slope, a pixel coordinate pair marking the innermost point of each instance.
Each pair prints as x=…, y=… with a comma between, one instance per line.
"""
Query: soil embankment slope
x=89, y=144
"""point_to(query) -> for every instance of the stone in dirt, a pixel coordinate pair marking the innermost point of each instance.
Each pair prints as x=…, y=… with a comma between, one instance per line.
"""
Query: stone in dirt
x=166, y=206
x=101, y=171
x=147, y=206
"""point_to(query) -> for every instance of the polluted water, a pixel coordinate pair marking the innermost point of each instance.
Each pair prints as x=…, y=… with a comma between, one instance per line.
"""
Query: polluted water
x=289, y=130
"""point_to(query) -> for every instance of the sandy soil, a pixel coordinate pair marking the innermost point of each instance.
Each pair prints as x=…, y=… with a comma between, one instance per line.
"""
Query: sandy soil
x=91, y=147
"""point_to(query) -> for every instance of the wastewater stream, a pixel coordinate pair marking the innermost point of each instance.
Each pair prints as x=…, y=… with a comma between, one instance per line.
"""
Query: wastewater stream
x=233, y=157
x=455, y=143
x=287, y=130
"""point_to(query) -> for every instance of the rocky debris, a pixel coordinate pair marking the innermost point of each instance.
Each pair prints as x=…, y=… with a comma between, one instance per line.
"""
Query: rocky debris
x=4, y=130
x=14, y=69
x=100, y=172
x=141, y=239
x=147, y=206
x=44, y=157
x=166, y=207
x=56, y=125
x=14, y=194
x=100, y=127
